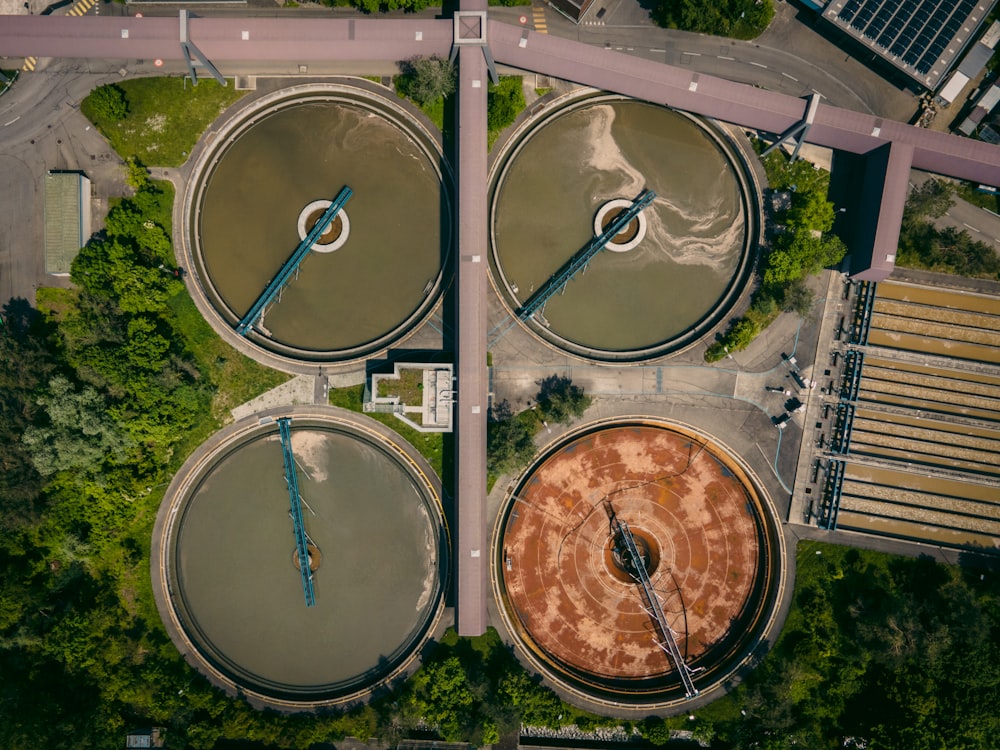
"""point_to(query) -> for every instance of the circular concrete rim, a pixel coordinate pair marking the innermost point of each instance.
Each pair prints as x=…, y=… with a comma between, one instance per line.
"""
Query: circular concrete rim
x=595, y=697
x=187, y=478
x=345, y=224
x=212, y=147
x=620, y=247
x=750, y=192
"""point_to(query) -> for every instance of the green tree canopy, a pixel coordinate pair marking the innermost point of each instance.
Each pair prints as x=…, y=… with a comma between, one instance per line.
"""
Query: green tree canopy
x=510, y=440
x=504, y=102
x=560, y=400
x=79, y=434
x=107, y=103
x=929, y=200
x=811, y=210
x=742, y=19
x=428, y=78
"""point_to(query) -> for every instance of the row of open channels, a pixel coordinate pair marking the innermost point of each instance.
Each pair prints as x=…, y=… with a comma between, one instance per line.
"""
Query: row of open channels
x=915, y=447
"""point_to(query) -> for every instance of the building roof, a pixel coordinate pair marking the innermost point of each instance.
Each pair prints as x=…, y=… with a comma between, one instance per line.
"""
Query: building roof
x=67, y=219
x=950, y=91
x=976, y=60
x=883, y=197
x=922, y=38
x=992, y=35
x=990, y=99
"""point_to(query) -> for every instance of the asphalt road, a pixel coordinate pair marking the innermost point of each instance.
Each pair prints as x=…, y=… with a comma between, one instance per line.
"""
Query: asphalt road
x=41, y=129
x=791, y=57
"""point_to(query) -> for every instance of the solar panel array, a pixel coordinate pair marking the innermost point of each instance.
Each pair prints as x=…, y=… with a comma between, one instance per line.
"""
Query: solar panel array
x=911, y=33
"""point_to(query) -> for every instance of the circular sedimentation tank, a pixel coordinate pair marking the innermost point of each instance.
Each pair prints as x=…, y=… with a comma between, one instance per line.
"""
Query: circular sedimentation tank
x=226, y=570
x=707, y=536
x=264, y=180
x=669, y=281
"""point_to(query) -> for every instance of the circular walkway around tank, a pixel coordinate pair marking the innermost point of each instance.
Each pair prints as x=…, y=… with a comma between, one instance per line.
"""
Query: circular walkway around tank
x=714, y=550
x=224, y=561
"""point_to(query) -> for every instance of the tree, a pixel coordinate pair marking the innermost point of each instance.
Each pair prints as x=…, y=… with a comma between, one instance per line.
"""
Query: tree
x=509, y=440
x=799, y=253
x=136, y=174
x=811, y=210
x=26, y=364
x=504, y=102
x=929, y=200
x=107, y=102
x=559, y=400
x=743, y=19
x=80, y=435
x=428, y=78
x=798, y=298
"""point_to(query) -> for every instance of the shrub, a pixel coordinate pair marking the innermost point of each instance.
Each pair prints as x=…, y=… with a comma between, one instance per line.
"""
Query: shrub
x=107, y=103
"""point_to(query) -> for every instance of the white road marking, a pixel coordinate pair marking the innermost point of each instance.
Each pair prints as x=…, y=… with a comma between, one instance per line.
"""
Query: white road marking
x=693, y=54
x=12, y=121
x=970, y=227
x=759, y=65
x=788, y=76
x=723, y=57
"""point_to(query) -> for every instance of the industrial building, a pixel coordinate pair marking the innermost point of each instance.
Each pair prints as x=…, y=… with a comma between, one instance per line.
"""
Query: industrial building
x=921, y=38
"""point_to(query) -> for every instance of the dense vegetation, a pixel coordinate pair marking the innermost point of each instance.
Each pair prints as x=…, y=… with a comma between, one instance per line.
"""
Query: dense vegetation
x=504, y=103
x=948, y=250
x=510, y=443
x=804, y=246
x=157, y=120
x=878, y=651
x=739, y=19
x=99, y=391
x=430, y=82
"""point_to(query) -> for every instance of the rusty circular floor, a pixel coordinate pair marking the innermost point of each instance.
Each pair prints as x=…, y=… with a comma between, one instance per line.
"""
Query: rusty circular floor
x=702, y=527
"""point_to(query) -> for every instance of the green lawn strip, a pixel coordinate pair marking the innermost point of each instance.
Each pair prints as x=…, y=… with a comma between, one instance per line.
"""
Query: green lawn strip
x=166, y=117
x=430, y=445
x=235, y=377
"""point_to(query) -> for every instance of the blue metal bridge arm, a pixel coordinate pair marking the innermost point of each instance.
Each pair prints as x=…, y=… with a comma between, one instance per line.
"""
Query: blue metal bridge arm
x=292, y=480
x=291, y=265
x=669, y=643
x=579, y=261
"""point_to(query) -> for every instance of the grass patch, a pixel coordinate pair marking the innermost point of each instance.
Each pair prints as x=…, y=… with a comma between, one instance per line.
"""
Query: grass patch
x=235, y=377
x=408, y=387
x=430, y=445
x=433, y=109
x=166, y=117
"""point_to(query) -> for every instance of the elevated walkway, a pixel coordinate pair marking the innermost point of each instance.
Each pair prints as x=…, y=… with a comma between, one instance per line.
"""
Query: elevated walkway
x=291, y=265
x=557, y=282
x=637, y=570
x=301, y=540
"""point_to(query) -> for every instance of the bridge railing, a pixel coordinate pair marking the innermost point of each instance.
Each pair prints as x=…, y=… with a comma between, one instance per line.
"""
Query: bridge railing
x=638, y=571
x=291, y=265
x=579, y=261
x=299, y=529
